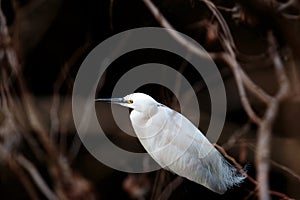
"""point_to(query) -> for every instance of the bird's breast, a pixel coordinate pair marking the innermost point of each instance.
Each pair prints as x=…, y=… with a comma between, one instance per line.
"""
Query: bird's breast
x=162, y=134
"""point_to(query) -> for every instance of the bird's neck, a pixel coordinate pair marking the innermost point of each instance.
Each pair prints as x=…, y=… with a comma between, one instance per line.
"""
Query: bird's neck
x=147, y=111
x=142, y=117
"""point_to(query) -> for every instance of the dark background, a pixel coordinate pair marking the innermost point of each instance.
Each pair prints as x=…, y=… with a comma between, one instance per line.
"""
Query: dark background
x=52, y=38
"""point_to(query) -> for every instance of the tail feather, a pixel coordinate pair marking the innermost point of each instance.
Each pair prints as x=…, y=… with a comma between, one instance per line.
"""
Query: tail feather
x=218, y=174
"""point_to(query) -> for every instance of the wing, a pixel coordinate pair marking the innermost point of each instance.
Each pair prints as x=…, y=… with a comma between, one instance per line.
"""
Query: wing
x=176, y=144
x=168, y=127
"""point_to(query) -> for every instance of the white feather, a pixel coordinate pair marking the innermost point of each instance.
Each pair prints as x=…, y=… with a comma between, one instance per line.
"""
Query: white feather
x=177, y=145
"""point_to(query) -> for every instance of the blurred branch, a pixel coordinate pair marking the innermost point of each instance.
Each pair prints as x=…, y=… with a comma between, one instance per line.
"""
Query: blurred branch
x=61, y=174
x=36, y=14
x=236, y=70
x=229, y=57
x=252, y=180
x=283, y=7
x=255, y=89
x=6, y=156
x=242, y=80
x=166, y=193
x=111, y=6
x=30, y=110
x=286, y=169
x=40, y=183
x=236, y=136
x=181, y=40
x=161, y=180
x=295, y=81
x=55, y=111
x=276, y=164
x=265, y=127
x=222, y=23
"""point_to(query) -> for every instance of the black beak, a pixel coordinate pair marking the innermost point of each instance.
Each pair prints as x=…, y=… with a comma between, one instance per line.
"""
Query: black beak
x=111, y=100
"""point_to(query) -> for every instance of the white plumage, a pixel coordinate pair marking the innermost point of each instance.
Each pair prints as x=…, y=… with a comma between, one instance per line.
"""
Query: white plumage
x=177, y=145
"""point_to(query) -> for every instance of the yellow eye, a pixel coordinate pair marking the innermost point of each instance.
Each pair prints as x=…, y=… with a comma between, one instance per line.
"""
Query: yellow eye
x=130, y=101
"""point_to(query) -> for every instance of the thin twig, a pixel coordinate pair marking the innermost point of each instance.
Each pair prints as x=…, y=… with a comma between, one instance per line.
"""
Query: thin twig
x=25, y=180
x=40, y=183
x=181, y=40
x=294, y=73
x=236, y=69
x=236, y=136
x=222, y=23
x=230, y=58
x=251, y=179
x=254, y=88
x=6, y=156
x=253, y=192
x=111, y=6
x=276, y=164
x=63, y=75
x=158, y=184
x=243, y=80
x=286, y=169
x=166, y=193
x=32, y=114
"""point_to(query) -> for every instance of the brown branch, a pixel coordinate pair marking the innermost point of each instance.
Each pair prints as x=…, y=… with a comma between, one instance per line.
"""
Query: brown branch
x=229, y=57
x=276, y=164
x=251, y=179
x=160, y=181
x=63, y=76
x=55, y=167
x=253, y=192
x=25, y=180
x=294, y=74
x=286, y=169
x=227, y=156
x=240, y=76
x=265, y=127
x=5, y=155
x=40, y=183
x=242, y=80
x=111, y=6
x=181, y=40
x=236, y=136
x=222, y=23
x=254, y=89
x=166, y=193
x=237, y=71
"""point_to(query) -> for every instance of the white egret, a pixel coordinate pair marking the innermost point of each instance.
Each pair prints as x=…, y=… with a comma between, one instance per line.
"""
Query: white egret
x=177, y=145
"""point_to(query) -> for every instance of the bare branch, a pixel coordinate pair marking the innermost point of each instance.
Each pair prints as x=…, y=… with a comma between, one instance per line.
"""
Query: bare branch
x=286, y=169
x=236, y=69
x=265, y=127
x=33, y=118
x=63, y=76
x=166, y=193
x=40, y=183
x=222, y=23
x=111, y=6
x=255, y=89
x=252, y=180
x=236, y=136
x=230, y=58
x=242, y=81
x=187, y=44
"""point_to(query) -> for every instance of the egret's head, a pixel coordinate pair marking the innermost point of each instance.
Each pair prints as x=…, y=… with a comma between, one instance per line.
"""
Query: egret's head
x=138, y=101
